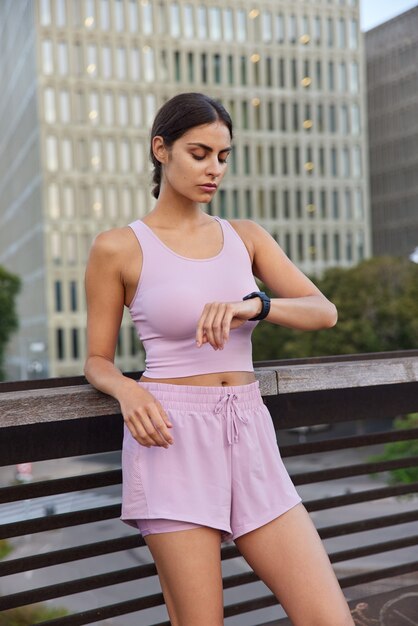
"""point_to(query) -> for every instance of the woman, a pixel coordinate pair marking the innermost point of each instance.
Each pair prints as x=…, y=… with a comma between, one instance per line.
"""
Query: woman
x=200, y=460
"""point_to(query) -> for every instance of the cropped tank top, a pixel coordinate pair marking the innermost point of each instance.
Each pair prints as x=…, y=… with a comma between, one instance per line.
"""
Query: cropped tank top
x=171, y=293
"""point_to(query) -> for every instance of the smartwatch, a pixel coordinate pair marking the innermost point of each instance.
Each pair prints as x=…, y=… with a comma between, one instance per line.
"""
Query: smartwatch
x=265, y=302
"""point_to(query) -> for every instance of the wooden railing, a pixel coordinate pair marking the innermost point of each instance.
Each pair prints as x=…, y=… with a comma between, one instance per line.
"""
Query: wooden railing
x=355, y=396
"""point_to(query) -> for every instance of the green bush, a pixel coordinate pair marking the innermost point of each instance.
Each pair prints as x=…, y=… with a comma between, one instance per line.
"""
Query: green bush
x=401, y=450
x=5, y=548
x=31, y=614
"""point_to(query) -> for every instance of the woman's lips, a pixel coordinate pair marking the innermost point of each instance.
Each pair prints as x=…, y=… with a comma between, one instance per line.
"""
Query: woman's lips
x=208, y=188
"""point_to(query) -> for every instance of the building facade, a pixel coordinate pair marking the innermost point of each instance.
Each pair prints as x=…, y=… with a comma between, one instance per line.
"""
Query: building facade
x=392, y=54
x=292, y=77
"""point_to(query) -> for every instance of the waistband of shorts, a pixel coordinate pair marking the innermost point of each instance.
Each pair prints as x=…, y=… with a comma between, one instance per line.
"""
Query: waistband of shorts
x=200, y=397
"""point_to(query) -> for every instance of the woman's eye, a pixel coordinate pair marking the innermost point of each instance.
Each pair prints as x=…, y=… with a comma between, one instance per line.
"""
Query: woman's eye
x=222, y=161
x=198, y=158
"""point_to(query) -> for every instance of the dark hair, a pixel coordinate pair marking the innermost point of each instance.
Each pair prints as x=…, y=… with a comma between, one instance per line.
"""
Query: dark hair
x=177, y=116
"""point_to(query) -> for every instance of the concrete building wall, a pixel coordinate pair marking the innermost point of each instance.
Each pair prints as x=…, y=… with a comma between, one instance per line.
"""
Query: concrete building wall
x=21, y=223
x=291, y=75
x=392, y=55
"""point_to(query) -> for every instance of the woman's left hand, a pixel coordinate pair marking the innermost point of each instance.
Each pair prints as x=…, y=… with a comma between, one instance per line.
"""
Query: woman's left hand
x=218, y=318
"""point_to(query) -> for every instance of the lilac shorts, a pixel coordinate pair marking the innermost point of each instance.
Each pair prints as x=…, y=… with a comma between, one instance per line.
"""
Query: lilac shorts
x=224, y=469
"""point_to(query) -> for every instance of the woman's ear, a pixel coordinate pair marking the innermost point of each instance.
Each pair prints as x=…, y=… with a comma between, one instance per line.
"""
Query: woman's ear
x=159, y=149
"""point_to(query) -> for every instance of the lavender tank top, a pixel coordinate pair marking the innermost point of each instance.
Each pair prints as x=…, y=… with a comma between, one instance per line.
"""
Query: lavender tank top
x=169, y=299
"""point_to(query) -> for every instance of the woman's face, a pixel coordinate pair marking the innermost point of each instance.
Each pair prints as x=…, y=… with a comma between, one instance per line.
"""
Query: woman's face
x=196, y=163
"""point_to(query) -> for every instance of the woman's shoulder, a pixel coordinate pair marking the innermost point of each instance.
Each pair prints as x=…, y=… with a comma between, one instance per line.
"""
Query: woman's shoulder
x=249, y=231
x=113, y=243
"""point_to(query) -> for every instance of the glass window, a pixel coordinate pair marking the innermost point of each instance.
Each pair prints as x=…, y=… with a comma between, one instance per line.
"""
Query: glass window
x=47, y=57
x=280, y=28
x=231, y=77
x=105, y=15
x=108, y=108
x=110, y=155
x=344, y=119
x=177, y=66
x=147, y=25
x=337, y=246
x=355, y=119
x=174, y=20
x=217, y=69
x=342, y=40
x=151, y=106
x=53, y=201
x=67, y=154
x=357, y=161
x=243, y=70
x=272, y=160
x=119, y=16
x=161, y=17
x=148, y=65
x=317, y=29
x=241, y=25
x=126, y=203
x=45, y=12
x=106, y=62
x=96, y=157
x=300, y=246
x=65, y=109
x=244, y=114
x=72, y=252
x=121, y=62
x=247, y=160
x=285, y=165
x=125, y=157
x=73, y=296
x=202, y=26
x=354, y=77
x=90, y=13
x=292, y=29
x=348, y=207
x=51, y=147
x=353, y=34
x=335, y=205
x=204, y=67
x=136, y=110
x=60, y=13
x=332, y=119
x=188, y=21
x=330, y=32
x=358, y=205
x=49, y=105
x=58, y=296
x=269, y=71
x=59, y=337
x=334, y=167
x=331, y=83
x=112, y=202
x=135, y=64
x=68, y=197
x=346, y=162
x=123, y=109
x=325, y=247
x=75, y=348
x=139, y=157
x=91, y=68
x=228, y=24
x=215, y=23
x=342, y=77
x=266, y=26
x=63, y=58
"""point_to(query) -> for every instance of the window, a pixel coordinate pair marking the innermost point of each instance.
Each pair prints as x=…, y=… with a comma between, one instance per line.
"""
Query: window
x=139, y=157
x=51, y=147
x=121, y=63
x=188, y=21
x=353, y=42
x=330, y=32
x=60, y=344
x=243, y=70
x=126, y=203
x=53, y=201
x=285, y=167
x=95, y=155
x=123, y=109
x=69, y=209
x=215, y=23
x=335, y=205
x=104, y=15
x=108, y=108
x=58, y=296
x=228, y=25
x=91, y=67
x=344, y=119
x=202, y=25
x=119, y=16
x=47, y=57
x=45, y=12
x=286, y=204
x=342, y=40
x=147, y=25
x=73, y=296
x=135, y=64
x=280, y=28
x=241, y=25
x=67, y=155
x=334, y=167
x=106, y=62
x=355, y=119
x=292, y=29
x=332, y=119
x=65, y=111
x=110, y=155
x=317, y=29
x=63, y=58
x=149, y=64
x=331, y=84
x=72, y=252
x=217, y=69
x=337, y=251
x=247, y=160
x=342, y=77
x=356, y=161
x=60, y=13
x=125, y=157
x=244, y=114
x=97, y=206
x=174, y=20
x=346, y=162
x=354, y=77
x=266, y=26
x=49, y=105
x=75, y=352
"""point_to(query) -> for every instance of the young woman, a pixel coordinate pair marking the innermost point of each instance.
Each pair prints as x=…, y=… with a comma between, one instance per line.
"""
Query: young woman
x=200, y=459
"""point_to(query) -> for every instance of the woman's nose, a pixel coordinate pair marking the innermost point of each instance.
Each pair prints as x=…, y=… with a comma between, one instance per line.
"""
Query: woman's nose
x=214, y=167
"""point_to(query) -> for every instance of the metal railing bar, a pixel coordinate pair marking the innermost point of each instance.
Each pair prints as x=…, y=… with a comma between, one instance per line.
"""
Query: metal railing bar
x=388, y=572
x=105, y=612
x=80, y=585
x=58, y=557
x=61, y=520
x=359, y=469
x=342, y=443
x=360, y=496
x=337, y=530
x=60, y=485
x=376, y=548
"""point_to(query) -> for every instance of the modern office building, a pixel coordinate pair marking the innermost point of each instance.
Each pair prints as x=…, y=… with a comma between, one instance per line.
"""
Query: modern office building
x=391, y=56
x=81, y=81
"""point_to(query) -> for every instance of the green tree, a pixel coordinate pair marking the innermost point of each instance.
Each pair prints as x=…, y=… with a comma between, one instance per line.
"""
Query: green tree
x=377, y=304
x=9, y=288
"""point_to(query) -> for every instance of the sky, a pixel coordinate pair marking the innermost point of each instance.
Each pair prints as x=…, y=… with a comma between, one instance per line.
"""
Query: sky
x=374, y=12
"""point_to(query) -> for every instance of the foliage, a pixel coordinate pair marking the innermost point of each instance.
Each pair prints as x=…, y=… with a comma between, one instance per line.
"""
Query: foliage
x=5, y=548
x=377, y=303
x=401, y=450
x=28, y=615
x=9, y=288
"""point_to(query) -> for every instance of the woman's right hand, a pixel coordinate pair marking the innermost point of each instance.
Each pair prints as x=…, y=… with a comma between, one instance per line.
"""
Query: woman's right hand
x=145, y=417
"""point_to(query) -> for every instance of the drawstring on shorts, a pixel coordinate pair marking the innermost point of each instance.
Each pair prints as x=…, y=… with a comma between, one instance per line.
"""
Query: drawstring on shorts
x=228, y=407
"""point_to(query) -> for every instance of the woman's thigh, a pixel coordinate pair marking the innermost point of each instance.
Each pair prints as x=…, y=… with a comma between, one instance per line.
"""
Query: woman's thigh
x=189, y=568
x=289, y=557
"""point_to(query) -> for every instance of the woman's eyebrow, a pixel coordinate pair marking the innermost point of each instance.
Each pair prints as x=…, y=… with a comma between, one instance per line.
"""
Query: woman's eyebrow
x=208, y=148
